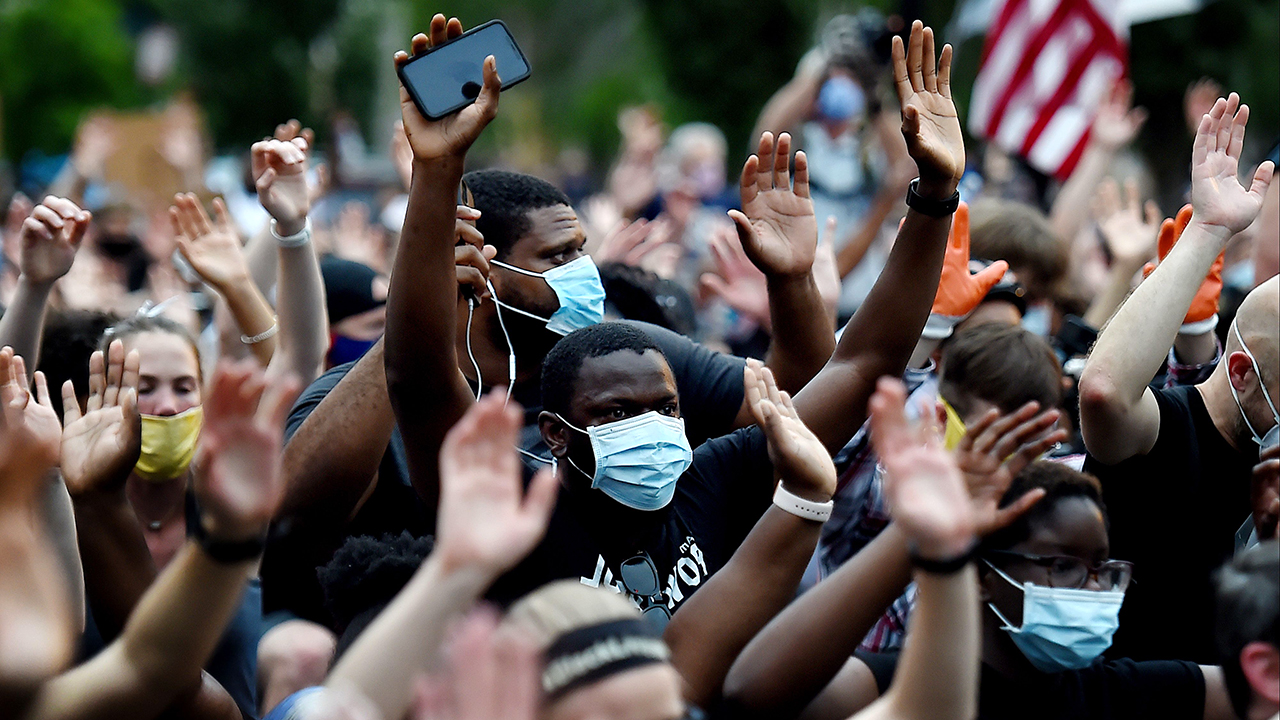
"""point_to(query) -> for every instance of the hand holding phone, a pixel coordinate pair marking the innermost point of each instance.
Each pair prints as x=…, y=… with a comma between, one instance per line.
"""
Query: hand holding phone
x=448, y=77
x=452, y=134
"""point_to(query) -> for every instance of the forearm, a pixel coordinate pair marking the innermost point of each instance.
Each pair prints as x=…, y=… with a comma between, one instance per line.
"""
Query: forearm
x=334, y=455
x=23, y=320
x=60, y=525
x=252, y=314
x=789, y=662
x=852, y=252
x=881, y=336
x=937, y=675
x=1133, y=346
x=1197, y=349
x=170, y=635
x=1071, y=206
x=404, y=640
x=803, y=333
x=261, y=255
x=787, y=108
x=118, y=567
x=205, y=700
x=713, y=626
x=69, y=183
x=304, y=322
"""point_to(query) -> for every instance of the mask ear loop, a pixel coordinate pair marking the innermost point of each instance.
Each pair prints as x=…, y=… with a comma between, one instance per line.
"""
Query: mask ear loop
x=1008, y=626
x=511, y=351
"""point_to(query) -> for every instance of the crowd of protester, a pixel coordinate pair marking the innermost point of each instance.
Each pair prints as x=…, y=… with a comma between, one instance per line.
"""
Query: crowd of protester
x=479, y=446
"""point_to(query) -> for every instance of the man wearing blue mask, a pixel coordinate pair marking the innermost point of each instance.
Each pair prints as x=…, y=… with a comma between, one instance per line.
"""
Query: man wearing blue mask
x=1176, y=463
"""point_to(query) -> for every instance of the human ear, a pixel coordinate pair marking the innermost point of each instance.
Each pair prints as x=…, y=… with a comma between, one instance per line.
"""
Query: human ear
x=1239, y=368
x=555, y=433
x=1260, y=663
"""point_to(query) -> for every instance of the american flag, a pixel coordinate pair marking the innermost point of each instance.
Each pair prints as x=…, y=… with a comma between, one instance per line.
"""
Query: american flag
x=1045, y=66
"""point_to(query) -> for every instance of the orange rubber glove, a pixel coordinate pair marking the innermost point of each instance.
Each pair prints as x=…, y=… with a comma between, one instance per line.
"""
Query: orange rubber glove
x=958, y=291
x=1203, y=315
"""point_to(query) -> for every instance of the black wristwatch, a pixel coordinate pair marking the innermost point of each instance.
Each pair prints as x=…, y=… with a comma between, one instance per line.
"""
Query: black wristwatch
x=227, y=552
x=932, y=208
x=949, y=566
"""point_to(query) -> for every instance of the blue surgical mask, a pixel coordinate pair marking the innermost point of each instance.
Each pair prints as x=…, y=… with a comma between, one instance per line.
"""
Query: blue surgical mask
x=345, y=349
x=1062, y=628
x=638, y=460
x=1272, y=437
x=578, y=288
x=840, y=98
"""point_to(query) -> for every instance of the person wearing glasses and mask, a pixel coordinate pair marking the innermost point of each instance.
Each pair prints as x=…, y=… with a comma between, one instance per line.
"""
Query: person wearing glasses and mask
x=1181, y=458
x=1050, y=592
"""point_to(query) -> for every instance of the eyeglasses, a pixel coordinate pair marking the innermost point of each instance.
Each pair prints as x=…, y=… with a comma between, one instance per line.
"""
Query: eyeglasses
x=1066, y=571
x=640, y=578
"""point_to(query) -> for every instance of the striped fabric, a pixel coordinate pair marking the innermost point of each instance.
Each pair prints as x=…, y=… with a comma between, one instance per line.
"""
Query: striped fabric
x=1045, y=66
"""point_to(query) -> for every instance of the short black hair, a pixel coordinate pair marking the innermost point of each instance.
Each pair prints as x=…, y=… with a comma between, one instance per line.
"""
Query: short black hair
x=363, y=577
x=634, y=293
x=69, y=339
x=505, y=200
x=1248, y=610
x=561, y=367
x=1059, y=482
x=1002, y=364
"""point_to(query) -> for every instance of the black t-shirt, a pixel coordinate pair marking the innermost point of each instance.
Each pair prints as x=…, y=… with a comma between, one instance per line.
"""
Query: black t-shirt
x=1174, y=514
x=1119, y=690
x=711, y=393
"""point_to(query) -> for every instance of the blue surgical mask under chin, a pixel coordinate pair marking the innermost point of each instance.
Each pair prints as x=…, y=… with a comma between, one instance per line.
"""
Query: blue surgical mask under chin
x=345, y=349
x=1062, y=628
x=638, y=460
x=577, y=286
x=840, y=98
x=1272, y=437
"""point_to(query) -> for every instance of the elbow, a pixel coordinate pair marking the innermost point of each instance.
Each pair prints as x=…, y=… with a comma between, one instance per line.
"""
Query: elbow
x=1099, y=394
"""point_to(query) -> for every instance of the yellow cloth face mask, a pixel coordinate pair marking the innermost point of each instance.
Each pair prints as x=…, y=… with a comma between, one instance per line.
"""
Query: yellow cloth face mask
x=955, y=430
x=168, y=444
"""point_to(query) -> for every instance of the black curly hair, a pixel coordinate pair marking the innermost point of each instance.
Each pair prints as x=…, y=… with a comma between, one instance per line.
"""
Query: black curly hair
x=561, y=367
x=363, y=577
x=1059, y=482
x=505, y=200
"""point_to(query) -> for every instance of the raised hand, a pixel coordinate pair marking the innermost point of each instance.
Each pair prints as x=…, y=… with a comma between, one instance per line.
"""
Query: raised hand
x=736, y=281
x=280, y=176
x=992, y=453
x=29, y=433
x=1205, y=304
x=101, y=446
x=492, y=675
x=1128, y=227
x=930, y=123
x=630, y=242
x=212, y=248
x=922, y=484
x=486, y=522
x=237, y=465
x=1118, y=121
x=449, y=137
x=776, y=225
x=471, y=256
x=1222, y=205
x=798, y=456
x=49, y=238
x=958, y=291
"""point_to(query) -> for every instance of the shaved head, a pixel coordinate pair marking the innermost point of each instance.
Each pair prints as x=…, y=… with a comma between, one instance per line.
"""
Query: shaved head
x=1258, y=321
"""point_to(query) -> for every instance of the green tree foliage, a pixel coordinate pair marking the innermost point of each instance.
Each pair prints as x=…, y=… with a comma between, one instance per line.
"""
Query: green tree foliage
x=59, y=58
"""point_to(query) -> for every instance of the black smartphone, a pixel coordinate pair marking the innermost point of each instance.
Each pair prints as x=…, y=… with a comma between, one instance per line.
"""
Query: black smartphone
x=448, y=77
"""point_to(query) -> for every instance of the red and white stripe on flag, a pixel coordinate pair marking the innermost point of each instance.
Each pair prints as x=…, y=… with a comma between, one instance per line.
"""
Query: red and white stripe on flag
x=1045, y=66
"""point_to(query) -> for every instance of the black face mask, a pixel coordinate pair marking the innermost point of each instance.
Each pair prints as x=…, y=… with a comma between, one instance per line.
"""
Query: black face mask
x=119, y=247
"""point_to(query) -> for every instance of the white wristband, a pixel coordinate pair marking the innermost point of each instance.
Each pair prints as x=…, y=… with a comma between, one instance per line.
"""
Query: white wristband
x=302, y=237
x=1201, y=327
x=798, y=506
x=264, y=335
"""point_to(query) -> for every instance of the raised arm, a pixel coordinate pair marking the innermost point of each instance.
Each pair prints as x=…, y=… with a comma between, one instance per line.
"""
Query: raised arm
x=881, y=336
x=487, y=525
x=212, y=247
x=427, y=390
x=712, y=627
x=780, y=235
x=280, y=175
x=179, y=620
x=791, y=103
x=1118, y=414
x=1129, y=230
x=784, y=667
x=47, y=245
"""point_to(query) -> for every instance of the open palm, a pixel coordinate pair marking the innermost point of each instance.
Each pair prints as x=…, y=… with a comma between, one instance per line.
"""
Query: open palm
x=101, y=446
x=486, y=521
x=452, y=135
x=212, y=248
x=1216, y=193
x=930, y=123
x=776, y=225
x=798, y=456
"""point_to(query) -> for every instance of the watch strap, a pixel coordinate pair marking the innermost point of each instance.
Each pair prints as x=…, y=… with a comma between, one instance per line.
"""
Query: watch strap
x=798, y=506
x=947, y=566
x=932, y=208
x=227, y=552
